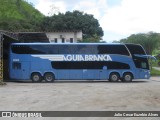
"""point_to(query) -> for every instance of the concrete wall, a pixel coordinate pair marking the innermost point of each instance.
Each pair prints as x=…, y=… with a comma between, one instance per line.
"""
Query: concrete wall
x=65, y=36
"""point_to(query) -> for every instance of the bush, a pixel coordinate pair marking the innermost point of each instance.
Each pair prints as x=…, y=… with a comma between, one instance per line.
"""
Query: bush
x=155, y=72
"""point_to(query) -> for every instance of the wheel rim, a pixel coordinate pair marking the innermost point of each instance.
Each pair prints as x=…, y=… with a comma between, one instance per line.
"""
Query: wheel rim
x=49, y=78
x=114, y=78
x=36, y=78
x=128, y=77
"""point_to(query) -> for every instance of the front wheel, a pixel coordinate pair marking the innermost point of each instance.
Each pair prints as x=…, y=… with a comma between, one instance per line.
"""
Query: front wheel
x=127, y=77
x=49, y=77
x=36, y=77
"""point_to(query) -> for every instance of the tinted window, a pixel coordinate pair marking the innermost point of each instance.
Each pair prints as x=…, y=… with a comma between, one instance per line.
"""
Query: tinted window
x=16, y=65
x=78, y=49
x=135, y=49
x=113, y=49
x=143, y=65
x=35, y=49
x=141, y=62
x=70, y=49
x=89, y=65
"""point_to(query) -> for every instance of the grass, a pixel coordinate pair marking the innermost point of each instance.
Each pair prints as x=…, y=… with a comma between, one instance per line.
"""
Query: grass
x=155, y=72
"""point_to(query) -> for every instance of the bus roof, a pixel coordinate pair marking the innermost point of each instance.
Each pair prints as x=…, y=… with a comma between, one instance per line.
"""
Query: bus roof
x=75, y=44
x=68, y=44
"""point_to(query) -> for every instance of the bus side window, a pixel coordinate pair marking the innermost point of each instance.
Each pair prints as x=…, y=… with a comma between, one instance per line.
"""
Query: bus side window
x=143, y=65
x=16, y=65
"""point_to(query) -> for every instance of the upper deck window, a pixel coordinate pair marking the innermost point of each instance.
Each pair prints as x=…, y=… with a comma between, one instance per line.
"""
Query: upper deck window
x=135, y=49
x=70, y=49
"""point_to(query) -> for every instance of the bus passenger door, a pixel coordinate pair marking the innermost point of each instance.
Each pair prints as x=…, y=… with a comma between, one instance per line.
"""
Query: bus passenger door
x=103, y=73
x=26, y=70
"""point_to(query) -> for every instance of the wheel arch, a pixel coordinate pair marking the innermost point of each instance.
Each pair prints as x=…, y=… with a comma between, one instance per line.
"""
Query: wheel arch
x=114, y=72
x=49, y=72
x=33, y=72
x=49, y=77
x=114, y=76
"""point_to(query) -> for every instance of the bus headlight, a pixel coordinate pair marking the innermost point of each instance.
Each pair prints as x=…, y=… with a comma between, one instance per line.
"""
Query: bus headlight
x=146, y=76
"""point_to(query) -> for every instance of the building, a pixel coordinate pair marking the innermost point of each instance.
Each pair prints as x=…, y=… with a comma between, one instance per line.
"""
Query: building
x=64, y=36
x=26, y=37
x=7, y=37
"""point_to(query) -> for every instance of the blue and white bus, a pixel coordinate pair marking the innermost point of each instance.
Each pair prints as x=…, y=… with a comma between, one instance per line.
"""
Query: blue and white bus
x=78, y=61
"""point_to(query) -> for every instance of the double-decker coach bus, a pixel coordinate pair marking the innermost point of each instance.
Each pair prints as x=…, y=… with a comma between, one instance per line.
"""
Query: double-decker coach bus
x=78, y=61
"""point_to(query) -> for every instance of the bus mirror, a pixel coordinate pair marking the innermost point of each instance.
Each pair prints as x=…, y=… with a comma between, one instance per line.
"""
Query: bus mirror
x=152, y=57
x=144, y=56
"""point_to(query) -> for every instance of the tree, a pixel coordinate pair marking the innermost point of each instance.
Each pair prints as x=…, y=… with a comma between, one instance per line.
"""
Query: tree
x=75, y=20
x=149, y=41
x=94, y=39
x=18, y=15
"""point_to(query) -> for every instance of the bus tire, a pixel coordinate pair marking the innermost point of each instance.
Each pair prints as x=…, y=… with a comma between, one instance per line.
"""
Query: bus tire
x=114, y=77
x=127, y=77
x=36, y=77
x=49, y=77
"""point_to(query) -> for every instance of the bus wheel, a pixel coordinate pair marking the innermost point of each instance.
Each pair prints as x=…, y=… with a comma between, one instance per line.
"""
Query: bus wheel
x=114, y=77
x=36, y=77
x=127, y=77
x=49, y=77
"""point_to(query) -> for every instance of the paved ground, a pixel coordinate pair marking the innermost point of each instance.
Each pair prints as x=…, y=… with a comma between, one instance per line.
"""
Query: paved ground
x=70, y=96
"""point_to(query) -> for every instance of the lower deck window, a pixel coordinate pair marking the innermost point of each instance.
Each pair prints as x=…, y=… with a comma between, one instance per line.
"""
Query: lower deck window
x=88, y=65
x=16, y=65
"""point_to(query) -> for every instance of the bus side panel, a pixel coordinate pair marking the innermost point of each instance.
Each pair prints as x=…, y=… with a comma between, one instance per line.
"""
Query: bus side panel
x=76, y=74
x=142, y=74
x=90, y=74
x=20, y=70
x=63, y=74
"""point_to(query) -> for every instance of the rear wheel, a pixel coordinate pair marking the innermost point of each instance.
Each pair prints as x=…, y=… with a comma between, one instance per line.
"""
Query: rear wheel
x=114, y=77
x=127, y=77
x=36, y=77
x=49, y=77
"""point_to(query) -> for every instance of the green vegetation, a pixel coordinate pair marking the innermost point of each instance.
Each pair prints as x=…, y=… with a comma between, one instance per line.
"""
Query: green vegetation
x=18, y=15
x=76, y=20
x=155, y=72
x=150, y=41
